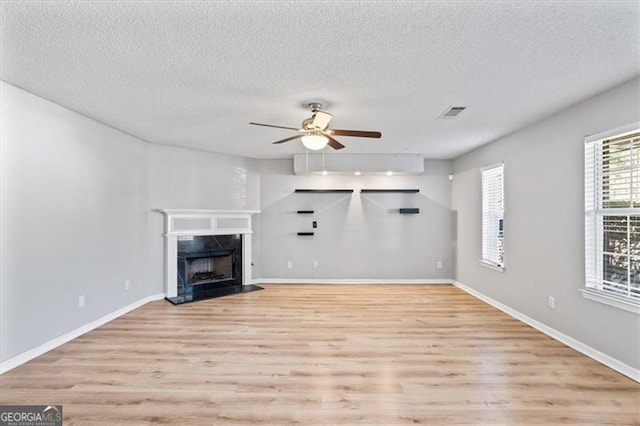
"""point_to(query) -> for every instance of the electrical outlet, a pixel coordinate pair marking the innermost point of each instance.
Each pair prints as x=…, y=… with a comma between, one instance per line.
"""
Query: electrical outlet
x=81, y=301
x=552, y=302
x=439, y=264
x=315, y=263
x=127, y=285
x=289, y=264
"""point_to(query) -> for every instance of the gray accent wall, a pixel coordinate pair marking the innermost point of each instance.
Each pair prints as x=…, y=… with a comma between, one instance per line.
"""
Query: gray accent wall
x=74, y=221
x=544, y=223
x=76, y=215
x=359, y=236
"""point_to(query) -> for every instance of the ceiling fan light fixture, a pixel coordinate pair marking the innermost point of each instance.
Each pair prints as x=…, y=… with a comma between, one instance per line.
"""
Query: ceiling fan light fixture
x=314, y=142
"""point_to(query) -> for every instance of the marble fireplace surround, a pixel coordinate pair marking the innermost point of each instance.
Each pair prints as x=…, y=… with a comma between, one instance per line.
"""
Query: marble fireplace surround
x=197, y=222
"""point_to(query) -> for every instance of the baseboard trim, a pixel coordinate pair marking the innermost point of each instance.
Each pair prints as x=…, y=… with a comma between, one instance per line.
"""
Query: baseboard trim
x=613, y=363
x=18, y=360
x=259, y=281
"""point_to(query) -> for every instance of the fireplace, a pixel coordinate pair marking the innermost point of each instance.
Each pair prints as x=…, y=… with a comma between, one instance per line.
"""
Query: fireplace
x=207, y=253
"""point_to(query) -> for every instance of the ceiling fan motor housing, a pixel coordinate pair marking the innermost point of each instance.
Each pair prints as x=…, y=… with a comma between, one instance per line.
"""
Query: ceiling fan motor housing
x=306, y=123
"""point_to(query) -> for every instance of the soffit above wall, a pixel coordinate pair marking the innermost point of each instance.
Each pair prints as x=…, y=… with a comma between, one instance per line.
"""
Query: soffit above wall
x=365, y=164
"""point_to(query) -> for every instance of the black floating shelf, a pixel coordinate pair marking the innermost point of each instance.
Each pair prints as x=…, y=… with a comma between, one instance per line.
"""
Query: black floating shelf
x=324, y=190
x=305, y=212
x=406, y=191
x=410, y=210
x=305, y=233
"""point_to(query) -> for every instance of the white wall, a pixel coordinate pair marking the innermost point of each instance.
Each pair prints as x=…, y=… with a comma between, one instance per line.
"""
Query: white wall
x=544, y=223
x=359, y=236
x=77, y=219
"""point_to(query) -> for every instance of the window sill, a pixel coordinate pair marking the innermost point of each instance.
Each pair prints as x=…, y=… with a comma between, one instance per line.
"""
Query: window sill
x=492, y=266
x=611, y=300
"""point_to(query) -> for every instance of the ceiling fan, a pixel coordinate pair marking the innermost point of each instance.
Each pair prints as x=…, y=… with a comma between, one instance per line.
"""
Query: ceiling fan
x=315, y=132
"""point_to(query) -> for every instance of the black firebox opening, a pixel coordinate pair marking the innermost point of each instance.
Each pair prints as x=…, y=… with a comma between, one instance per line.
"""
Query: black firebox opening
x=205, y=267
x=209, y=266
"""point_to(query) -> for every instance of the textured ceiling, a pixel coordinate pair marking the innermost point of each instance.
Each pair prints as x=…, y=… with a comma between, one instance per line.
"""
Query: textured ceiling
x=194, y=74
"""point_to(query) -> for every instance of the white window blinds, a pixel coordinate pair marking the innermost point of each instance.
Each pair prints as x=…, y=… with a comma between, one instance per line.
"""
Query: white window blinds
x=612, y=215
x=493, y=215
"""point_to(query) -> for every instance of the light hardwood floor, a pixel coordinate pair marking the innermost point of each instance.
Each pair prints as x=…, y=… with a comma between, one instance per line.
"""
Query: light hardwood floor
x=331, y=354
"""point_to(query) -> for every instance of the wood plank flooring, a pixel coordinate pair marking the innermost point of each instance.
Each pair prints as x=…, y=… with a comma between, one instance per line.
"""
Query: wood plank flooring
x=332, y=354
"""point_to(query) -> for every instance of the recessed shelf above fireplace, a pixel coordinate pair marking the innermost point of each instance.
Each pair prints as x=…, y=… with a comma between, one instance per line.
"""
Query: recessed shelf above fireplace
x=400, y=190
x=320, y=191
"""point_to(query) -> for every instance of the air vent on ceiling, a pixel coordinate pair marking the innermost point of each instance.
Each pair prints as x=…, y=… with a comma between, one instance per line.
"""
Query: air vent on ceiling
x=452, y=112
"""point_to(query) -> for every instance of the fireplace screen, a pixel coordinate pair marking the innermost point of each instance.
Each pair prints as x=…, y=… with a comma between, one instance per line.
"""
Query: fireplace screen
x=205, y=267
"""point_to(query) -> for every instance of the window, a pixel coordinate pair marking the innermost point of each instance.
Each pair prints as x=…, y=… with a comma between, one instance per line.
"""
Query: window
x=612, y=215
x=493, y=216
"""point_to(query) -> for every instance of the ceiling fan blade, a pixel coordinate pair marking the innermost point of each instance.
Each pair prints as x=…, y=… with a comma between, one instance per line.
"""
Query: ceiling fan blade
x=356, y=133
x=334, y=143
x=321, y=120
x=273, y=125
x=289, y=139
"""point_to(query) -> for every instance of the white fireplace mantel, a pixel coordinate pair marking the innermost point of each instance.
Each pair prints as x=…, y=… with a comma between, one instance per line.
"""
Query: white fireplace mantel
x=183, y=223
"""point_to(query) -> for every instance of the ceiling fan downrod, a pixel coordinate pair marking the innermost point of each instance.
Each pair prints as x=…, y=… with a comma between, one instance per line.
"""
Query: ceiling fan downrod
x=315, y=107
